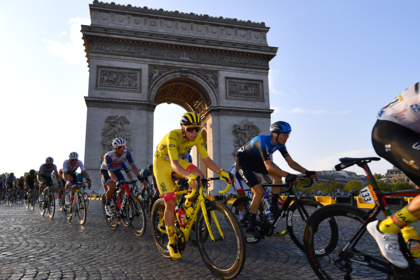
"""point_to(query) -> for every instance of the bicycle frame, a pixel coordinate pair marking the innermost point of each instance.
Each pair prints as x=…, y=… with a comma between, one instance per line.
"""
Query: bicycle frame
x=372, y=214
x=192, y=211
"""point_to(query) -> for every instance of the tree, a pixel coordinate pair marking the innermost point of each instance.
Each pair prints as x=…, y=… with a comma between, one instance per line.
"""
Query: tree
x=353, y=185
x=5, y=174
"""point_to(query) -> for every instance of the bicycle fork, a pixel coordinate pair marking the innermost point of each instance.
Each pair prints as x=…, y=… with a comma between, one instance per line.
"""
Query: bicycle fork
x=206, y=218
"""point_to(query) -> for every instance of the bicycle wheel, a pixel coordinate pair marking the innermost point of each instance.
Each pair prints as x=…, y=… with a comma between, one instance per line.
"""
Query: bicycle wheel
x=112, y=222
x=295, y=222
x=80, y=211
x=323, y=244
x=245, y=204
x=147, y=206
x=158, y=229
x=41, y=207
x=136, y=216
x=225, y=256
x=51, y=205
x=87, y=198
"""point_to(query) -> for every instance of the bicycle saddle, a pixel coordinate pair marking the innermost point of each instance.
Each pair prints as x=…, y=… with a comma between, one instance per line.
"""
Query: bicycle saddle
x=346, y=162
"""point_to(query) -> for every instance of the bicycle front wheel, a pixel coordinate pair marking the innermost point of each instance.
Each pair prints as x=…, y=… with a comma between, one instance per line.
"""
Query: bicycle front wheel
x=51, y=205
x=297, y=217
x=323, y=244
x=225, y=255
x=81, y=209
x=87, y=198
x=112, y=222
x=158, y=228
x=136, y=216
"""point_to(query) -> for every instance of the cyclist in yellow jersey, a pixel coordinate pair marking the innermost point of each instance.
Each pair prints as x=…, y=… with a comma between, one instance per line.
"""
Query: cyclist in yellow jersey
x=167, y=161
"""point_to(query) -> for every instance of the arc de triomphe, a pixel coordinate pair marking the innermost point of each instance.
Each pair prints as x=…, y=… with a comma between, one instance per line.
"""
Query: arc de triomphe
x=140, y=57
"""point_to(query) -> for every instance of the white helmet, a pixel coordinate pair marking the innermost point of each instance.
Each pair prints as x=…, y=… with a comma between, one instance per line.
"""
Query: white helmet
x=73, y=155
x=49, y=160
x=117, y=142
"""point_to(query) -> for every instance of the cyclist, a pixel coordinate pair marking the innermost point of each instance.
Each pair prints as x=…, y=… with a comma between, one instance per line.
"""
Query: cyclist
x=144, y=174
x=110, y=171
x=10, y=181
x=30, y=183
x=69, y=174
x=19, y=185
x=396, y=137
x=44, y=175
x=255, y=156
x=167, y=161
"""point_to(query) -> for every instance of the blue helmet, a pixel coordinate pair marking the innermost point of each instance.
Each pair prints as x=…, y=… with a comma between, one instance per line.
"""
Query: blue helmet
x=280, y=127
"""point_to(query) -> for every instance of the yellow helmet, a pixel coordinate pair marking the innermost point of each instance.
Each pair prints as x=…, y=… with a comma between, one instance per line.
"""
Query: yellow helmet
x=191, y=118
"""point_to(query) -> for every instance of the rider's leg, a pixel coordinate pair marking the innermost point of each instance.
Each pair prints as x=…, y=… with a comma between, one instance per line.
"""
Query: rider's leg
x=275, y=192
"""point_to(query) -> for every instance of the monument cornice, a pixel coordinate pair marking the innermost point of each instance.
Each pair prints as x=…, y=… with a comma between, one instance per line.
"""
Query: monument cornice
x=181, y=53
x=237, y=112
x=96, y=5
x=177, y=39
x=119, y=103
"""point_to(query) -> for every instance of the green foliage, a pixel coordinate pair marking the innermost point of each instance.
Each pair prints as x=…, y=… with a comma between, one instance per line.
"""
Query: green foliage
x=353, y=185
x=5, y=174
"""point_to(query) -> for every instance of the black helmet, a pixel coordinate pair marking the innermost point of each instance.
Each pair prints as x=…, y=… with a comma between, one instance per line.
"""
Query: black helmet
x=32, y=172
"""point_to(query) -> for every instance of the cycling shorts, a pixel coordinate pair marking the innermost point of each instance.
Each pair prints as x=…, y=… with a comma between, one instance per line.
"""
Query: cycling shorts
x=238, y=180
x=398, y=145
x=246, y=169
x=106, y=178
x=74, y=179
x=48, y=180
x=163, y=173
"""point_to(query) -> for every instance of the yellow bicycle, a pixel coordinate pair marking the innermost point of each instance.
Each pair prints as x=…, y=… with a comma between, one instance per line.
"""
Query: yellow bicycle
x=218, y=234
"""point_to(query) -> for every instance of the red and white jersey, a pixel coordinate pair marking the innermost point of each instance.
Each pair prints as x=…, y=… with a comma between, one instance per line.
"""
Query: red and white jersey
x=113, y=162
x=71, y=169
x=404, y=109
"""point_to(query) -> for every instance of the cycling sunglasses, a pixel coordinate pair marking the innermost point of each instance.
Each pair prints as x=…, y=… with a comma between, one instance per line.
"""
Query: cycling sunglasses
x=191, y=129
x=120, y=147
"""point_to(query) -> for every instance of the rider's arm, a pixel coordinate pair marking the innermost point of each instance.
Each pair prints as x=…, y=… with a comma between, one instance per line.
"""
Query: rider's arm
x=133, y=165
x=108, y=161
x=296, y=166
x=273, y=169
x=84, y=173
x=213, y=167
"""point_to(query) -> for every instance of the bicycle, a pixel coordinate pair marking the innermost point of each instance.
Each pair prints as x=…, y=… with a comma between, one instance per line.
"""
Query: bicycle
x=49, y=201
x=348, y=247
x=127, y=210
x=213, y=219
x=77, y=205
x=30, y=201
x=85, y=195
x=295, y=210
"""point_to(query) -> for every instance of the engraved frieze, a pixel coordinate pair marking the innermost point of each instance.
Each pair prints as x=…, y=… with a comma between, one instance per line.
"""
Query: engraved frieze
x=115, y=78
x=244, y=89
x=115, y=127
x=190, y=56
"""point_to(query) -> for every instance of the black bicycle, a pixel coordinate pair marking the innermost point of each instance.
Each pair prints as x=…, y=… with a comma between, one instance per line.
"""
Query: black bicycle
x=295, y=210
x=48, y=204
x=338, y=245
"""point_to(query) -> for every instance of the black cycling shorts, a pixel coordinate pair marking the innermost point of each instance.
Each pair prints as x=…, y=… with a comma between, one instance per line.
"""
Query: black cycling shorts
x=106, y=178
x=398, y=145
x=246, y=168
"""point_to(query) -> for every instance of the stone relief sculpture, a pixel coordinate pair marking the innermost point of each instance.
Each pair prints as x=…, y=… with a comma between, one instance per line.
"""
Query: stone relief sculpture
x=115, y=127
x=156, y=72
x=243, y=132
x=112, y=78
x=244, y=89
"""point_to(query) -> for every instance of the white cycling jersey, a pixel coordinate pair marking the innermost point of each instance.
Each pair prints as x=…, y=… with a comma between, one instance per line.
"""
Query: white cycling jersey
x=404, y=109
x=71, y=169
x=113, y=162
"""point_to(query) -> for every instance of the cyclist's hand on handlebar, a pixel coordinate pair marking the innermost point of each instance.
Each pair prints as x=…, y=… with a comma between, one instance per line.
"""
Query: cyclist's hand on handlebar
x=225, y=176
x=311, y=174
x=291, y=178
x=192, y=179
x=119, y=183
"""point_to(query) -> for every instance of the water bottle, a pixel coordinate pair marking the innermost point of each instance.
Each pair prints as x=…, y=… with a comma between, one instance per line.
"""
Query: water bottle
x=413, y=241
x=118, y=202
x=181, y=214
x=267, y=211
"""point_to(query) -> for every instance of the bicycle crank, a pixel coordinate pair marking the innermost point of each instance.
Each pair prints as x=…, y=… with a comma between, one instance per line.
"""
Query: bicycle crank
x=180, y=239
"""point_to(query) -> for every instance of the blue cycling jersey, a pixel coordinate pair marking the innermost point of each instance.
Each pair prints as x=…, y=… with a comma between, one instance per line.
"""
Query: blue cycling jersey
x=124, y=167
x=260, y=149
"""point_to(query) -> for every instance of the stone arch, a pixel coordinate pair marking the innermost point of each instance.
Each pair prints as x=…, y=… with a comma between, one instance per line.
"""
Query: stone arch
x=184, y=88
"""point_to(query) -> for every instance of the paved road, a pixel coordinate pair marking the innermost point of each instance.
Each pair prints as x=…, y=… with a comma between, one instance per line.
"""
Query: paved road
x=35, y=247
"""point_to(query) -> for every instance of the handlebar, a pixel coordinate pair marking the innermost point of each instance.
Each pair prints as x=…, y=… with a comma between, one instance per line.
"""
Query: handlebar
x=290, y=184
x=204, y=181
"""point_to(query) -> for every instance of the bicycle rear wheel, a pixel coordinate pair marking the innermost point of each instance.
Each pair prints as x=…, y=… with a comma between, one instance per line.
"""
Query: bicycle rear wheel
x=112, y=222
x=136, y=216
x=41, y=207
x=323, y=244
x=244, y=203
x=225, y=256
x=158, y=229
x=296, y=223
x=81, y=209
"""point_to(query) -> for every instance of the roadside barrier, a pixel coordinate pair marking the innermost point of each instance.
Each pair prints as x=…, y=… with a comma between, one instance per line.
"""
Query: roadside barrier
x=325, y=200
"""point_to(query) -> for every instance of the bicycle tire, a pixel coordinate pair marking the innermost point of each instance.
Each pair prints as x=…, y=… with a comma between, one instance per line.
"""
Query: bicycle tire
x=112, y=222
x=51, y=205
x=295, y=223
x=160, y=238
x=323, y=246
x=32, y=203
x=137, y=216
x=81, y=212
x=246, y=202
x=217, y=254
x=87, y=198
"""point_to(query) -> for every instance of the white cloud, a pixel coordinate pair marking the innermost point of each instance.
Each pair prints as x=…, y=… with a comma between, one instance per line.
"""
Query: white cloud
x=316, y=112
x=273, y=77
x=63, y=34
x=276, y=109
x=71, y=52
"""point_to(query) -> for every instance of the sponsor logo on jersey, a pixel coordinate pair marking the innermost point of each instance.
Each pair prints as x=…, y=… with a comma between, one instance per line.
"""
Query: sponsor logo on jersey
x=400, y=115
x=163, y=187
x=176, y=140
x=411, y=163
x=416, y=146
x=172, y=146
x=380, y=113
x=415, y=108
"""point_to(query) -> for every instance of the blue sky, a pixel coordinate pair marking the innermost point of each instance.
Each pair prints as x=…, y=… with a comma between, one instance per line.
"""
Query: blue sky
x=337, y=64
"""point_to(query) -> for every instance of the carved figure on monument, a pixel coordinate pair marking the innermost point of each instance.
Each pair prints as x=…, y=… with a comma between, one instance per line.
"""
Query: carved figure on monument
x=118, y=79
x=115, y=127
x=156, y=72
x=243, y=89
x=243, y=132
